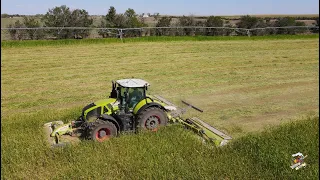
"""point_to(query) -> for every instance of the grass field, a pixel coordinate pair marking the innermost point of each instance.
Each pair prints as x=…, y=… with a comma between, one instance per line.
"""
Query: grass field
x=243, y=86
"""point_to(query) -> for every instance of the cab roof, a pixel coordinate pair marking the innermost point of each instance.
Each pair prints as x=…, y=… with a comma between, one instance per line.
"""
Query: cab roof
x=132, y=83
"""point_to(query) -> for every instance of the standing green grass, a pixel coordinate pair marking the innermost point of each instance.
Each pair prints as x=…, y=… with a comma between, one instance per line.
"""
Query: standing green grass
x=171, y=153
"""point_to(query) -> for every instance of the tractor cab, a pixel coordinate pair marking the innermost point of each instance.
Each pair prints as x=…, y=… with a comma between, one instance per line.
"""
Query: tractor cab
x=129, y=92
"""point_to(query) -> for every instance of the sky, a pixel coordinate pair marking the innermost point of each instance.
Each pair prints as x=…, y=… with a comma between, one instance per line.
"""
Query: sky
x=167, y=7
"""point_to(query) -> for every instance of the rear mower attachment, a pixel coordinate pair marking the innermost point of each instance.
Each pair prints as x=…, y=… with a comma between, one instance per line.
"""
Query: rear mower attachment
x=204, y=130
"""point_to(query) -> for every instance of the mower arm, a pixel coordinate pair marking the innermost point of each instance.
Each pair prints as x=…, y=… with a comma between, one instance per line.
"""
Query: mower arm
x=204, y=130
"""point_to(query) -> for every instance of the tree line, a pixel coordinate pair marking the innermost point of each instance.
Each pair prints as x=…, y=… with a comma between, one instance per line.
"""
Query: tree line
x=63, y=16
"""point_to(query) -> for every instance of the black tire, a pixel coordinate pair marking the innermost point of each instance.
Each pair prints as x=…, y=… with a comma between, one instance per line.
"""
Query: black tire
x=102, y=130
x=151, y=119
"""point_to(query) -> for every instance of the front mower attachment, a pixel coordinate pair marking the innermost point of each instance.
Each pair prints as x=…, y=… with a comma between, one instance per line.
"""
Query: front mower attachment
x=59, y=134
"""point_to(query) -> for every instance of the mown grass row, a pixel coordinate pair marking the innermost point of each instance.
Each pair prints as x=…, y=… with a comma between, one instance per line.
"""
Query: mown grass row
x=241, y=85
x=28, y=43
x=171, y=153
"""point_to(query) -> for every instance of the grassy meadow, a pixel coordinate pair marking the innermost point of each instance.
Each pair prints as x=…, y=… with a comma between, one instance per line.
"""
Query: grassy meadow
x=243, y=86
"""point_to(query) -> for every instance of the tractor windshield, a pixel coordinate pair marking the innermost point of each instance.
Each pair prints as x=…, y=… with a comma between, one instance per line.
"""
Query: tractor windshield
x=135, y=96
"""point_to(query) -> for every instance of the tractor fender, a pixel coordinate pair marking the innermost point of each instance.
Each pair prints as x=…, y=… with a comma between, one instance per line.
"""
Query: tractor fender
x=152, y=104
x=107, y=117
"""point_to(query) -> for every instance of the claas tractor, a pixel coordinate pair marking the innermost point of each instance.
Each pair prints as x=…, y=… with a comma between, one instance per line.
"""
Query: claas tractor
x=129, y=108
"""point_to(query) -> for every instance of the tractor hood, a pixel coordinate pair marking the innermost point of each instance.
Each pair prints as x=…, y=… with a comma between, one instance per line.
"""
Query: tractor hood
x=104, y=102
x=97, y=108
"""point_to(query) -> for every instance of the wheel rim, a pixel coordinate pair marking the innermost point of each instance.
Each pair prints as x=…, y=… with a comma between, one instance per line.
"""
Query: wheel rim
x=152, y=123
x=103, y=134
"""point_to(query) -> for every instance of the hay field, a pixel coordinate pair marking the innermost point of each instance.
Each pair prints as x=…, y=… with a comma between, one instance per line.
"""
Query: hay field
x=242, y=86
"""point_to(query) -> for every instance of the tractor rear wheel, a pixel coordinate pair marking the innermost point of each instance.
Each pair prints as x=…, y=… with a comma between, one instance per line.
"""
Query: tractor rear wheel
x=151, y=119
x=102, y=130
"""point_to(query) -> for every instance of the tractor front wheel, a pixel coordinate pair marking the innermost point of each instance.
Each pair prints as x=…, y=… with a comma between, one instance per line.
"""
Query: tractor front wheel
x=151, y=119
x=102, y=130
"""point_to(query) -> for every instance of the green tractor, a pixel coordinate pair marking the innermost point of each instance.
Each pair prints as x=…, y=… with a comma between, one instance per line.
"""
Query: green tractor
x=129, y=108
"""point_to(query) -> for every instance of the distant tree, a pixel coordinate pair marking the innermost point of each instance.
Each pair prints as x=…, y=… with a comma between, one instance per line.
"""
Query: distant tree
x=156, y=16
x=214, y=21
x=111, y=17
x=284, y=22
x=132, y=19
x=109, y=21
x=31, y=22
x=163, y=22
x=38, y=15
x=128, y=19
x=248, y=22
x=229, y=31
x=17, y=34
x=300, y=23
x=63, y=17
x=58, y=17
x=80, y=18
x=5, y=15
x=121, y=21
x=130, y=13
x=187, y=21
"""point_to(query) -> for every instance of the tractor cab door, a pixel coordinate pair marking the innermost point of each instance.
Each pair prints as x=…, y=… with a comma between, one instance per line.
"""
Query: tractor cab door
x=135, y=96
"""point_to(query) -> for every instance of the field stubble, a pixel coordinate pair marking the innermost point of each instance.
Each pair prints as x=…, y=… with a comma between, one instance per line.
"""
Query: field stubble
x=243, y=86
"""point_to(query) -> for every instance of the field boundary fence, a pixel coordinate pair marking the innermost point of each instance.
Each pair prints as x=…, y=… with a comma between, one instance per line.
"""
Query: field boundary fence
x=24, y=33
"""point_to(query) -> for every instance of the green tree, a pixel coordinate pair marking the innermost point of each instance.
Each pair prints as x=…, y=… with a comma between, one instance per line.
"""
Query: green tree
x=111, y=17
x=248, y=22
x=58, y=17
x=163, y=22
x=109, y=21
x=121, y=21
x=132, y=19
x=186, y=21
x=63, y=17
x=156, y=16
x=5, y=15
x=31, y=22
x=284, y=22
x=80, y=18
x=214, y=21
x=17, y=34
